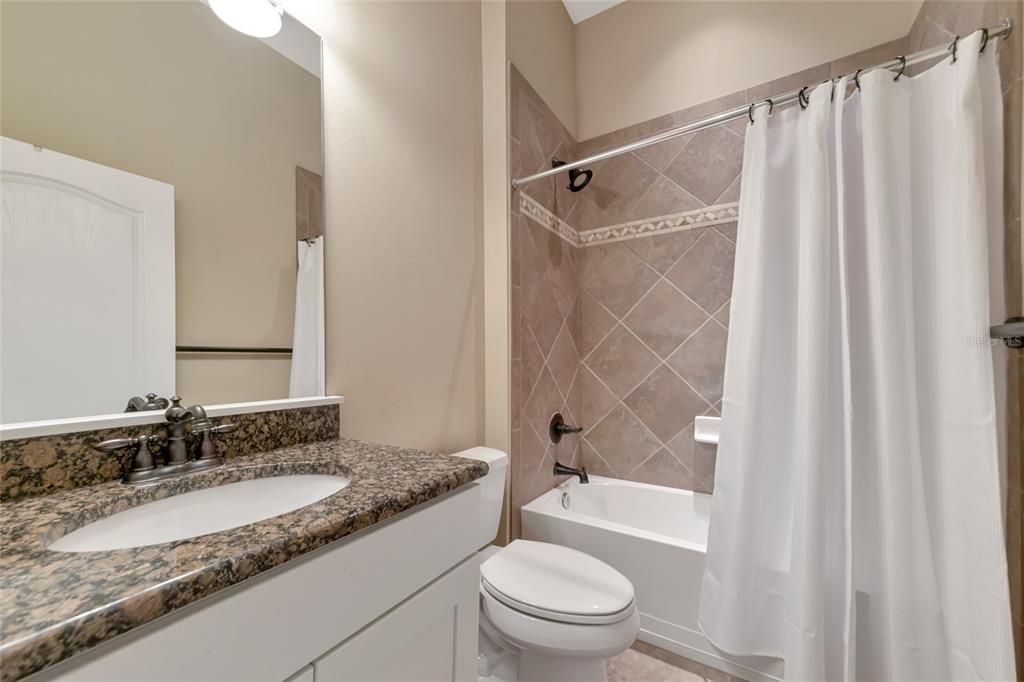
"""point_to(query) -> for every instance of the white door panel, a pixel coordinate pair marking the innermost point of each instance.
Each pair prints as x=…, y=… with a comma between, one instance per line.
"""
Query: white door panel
x=86, y=286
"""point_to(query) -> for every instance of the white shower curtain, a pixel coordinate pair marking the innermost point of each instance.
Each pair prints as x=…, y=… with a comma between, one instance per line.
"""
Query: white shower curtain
x=307, y=378
x=855, y=525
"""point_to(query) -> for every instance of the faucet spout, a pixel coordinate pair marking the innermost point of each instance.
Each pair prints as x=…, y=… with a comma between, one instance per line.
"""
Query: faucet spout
x=562, y=470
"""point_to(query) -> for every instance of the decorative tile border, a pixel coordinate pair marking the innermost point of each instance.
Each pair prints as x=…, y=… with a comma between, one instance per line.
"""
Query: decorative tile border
x=688, y=220
x=544, y=217
x=675, y=222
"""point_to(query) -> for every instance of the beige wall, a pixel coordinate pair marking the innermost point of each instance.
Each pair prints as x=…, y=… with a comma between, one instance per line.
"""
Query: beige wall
x=165, y=90
x=402, y=181
x=541, y=45
x=642, y=59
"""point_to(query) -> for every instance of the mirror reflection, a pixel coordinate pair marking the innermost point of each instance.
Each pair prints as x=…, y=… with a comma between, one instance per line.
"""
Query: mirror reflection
x=161, y=209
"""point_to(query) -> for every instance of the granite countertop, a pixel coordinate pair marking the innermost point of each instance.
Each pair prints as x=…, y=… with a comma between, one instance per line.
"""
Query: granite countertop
x=54, y=605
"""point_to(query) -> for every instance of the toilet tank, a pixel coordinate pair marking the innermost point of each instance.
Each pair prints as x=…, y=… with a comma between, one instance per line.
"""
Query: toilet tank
x=492, y=490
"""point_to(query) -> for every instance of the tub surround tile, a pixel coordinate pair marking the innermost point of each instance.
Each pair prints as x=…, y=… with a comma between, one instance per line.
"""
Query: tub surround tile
x=665, y=318
x=622, y=440
x=700, y=361
x=661, y=251
x=622, y=361
x=665, y=403
x=664, y=219
x=616, y=277
x=709, y=164
x=47, y=464
x=704, y=273
x=59, y=604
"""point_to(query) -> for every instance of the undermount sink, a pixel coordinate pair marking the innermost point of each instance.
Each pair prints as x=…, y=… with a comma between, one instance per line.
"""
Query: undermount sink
x=201, y=512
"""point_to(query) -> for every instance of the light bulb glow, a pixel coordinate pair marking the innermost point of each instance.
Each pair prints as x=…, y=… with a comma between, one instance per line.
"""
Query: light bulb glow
x=257, y=18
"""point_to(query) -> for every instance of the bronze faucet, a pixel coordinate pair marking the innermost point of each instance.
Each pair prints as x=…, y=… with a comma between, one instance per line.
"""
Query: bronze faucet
x=171, y=455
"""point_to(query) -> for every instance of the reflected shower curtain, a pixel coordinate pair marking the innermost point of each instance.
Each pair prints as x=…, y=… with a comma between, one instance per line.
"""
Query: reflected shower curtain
x=307, y=377
x=856, y=530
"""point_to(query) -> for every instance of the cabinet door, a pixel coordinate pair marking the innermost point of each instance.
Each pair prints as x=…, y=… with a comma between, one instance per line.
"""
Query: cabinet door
x=430, y=637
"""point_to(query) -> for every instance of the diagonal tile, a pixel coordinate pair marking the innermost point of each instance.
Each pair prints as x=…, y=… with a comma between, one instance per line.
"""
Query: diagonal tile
x=661, y=251
x=698, y=458
x=704, y=273
x=618, y=182
x=705, y=456
x=595, y=323
x=515, y=390
x=616, y=276
x=586, y=215
x=623, y=439
x=563, y=361
x=709, y=163
x=592, y=398
x=533, y=363
x=665, y=404
x=621, y=361
x=723, y=314
x=727, y=230
x=544, y=317
x=664, y=318
x=594, y=463
x=661, y=155
x=663, y=197
x=682, y=447
x=662, y=468
x=731, y=193
x=542, y=403
x=701, y=360
x=515, y=313
x=531, y=451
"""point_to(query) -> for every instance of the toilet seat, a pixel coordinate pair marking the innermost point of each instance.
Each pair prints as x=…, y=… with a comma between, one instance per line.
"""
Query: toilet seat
x=557, y=583
x=553, y=638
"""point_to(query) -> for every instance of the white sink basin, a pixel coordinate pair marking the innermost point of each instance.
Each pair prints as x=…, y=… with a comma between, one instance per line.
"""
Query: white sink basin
x=201, y=512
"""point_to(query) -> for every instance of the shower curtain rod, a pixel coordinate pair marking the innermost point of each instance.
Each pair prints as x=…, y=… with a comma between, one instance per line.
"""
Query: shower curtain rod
x=1001, y=31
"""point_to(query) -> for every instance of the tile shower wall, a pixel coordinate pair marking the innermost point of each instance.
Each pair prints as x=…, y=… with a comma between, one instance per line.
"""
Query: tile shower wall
x=652, y=311
x=544, y=305
x=937, y=23
x=655, y=309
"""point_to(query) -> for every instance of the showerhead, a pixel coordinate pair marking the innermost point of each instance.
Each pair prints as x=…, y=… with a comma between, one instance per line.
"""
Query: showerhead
x=574, y=175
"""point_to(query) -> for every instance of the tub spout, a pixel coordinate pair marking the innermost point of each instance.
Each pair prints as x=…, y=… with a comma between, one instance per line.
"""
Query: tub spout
x=562, y=470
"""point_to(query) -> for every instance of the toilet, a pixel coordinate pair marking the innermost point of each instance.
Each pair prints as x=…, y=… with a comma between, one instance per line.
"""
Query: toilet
x=548, y=613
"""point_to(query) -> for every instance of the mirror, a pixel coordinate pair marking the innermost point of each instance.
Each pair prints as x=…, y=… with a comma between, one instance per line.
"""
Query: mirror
x=160, y=180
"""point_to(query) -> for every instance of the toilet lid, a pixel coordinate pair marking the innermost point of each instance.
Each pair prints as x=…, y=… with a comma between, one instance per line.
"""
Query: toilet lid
x=556, y=582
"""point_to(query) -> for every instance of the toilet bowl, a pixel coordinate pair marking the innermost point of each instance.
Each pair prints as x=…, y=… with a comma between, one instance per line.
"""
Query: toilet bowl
x=548, y=613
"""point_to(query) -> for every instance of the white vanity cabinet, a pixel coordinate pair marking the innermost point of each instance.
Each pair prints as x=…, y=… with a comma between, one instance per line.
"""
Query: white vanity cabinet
x=397, y=601
x=421, y=639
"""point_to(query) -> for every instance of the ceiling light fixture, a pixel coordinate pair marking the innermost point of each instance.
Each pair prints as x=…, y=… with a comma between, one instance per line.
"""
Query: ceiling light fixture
x=257, y=18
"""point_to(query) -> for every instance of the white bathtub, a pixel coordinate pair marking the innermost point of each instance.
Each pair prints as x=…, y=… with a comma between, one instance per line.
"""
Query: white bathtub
x=657, y=537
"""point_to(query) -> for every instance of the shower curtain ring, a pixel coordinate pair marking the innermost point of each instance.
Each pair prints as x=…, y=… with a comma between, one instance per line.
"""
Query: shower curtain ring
x=984, y=40
x=801, y=97
x=856, y=78
x=903, y=67
x=953, y=46
x=750, y=111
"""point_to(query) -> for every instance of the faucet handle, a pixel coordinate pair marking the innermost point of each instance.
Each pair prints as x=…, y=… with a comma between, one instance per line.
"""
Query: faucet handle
x=142, y=458
x=224, y=428
x=114, y=444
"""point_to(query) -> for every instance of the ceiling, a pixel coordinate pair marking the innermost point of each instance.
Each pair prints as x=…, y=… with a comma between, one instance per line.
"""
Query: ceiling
x=580, y=10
